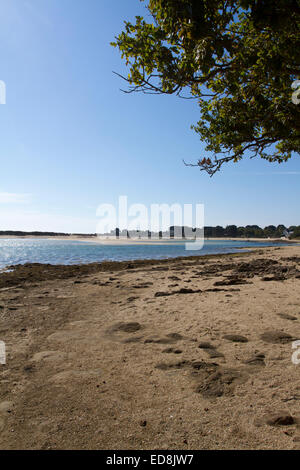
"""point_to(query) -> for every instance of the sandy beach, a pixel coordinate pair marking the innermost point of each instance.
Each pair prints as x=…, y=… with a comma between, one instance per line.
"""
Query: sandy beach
x=142, y=241
x=192, y=353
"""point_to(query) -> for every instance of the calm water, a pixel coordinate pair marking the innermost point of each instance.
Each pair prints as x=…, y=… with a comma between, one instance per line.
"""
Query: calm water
x=20, y=251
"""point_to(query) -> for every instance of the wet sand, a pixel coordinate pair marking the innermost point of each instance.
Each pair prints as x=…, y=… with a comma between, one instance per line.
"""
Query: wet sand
x=190, y=353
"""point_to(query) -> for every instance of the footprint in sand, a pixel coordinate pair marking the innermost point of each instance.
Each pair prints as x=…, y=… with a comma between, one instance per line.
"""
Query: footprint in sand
x=213, y=353
x=6, y=407
x=212, y=380
x=168, y=339
x=236, y=338
x=172, y=350
x=2, y=424
x=210, y=350
x=130, y=327
x=256, y=360
x=285, y=316
x=276, y=337
x=132, y=299
x=176, y=365
x=134, y=339
x=66, y=336
x=182, y=290
x=72, y=375
x=49, y=356
x=280, y=418
x=215, y=381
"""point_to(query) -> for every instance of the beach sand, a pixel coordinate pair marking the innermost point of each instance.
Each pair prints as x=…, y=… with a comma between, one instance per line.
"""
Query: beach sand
x=192, y=353
x=111, y=240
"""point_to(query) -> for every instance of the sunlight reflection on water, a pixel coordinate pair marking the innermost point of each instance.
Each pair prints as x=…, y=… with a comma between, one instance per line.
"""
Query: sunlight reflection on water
x=20, y=251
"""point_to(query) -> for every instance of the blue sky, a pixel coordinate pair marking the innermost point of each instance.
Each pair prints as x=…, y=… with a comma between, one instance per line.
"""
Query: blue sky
x=71, y=140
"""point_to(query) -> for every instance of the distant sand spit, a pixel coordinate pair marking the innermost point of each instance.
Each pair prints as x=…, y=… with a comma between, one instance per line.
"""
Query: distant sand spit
x=137, y=241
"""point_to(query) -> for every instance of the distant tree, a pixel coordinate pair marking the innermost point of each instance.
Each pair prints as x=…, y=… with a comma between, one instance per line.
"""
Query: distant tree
x=258, y=232
x=231, y=230
x=218, y=231
x=270, y=231
x=253, y=231
x=296, y=231
x=280, y=230
x=241, y=231
x=238, y=58
x=208, y=232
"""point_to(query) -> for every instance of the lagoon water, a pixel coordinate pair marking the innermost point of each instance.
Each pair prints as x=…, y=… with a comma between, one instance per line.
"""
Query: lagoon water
x=20, y=251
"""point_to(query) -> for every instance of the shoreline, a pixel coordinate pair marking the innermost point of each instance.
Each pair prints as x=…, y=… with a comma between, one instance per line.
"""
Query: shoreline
x=14, y=274
x=115, y=265
x=136, y=241
x=108, y=264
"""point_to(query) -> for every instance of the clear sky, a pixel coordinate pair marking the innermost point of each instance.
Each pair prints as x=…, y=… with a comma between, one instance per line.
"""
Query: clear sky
x=71, y=140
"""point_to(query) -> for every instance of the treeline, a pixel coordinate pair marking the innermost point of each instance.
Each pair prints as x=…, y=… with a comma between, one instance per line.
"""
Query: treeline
x=252, y=231
x=19, y=233
x=232, y=231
